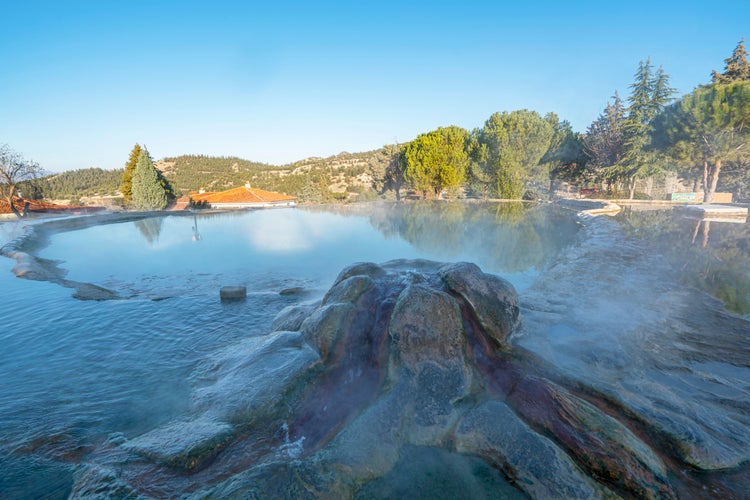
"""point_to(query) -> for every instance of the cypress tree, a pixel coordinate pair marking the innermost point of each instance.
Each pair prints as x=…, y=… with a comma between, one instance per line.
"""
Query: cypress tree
x=126, y=188
x=148, y=193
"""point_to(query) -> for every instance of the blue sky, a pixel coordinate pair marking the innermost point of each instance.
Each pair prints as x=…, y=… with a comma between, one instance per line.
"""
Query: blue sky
x=279, y=81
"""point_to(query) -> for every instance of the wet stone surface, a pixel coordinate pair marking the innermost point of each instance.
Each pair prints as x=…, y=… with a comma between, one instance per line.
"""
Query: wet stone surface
x=415, y=376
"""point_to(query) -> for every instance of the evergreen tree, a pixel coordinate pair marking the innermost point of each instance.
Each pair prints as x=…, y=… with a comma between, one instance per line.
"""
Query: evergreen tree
x=710, y=123
x=437, y=160
x=650, y=92
x=126, y=188
x=514, y=144
x=603, y=141
x=393, y=176
x=148, y=193
x=736, y=67
x=564, y=159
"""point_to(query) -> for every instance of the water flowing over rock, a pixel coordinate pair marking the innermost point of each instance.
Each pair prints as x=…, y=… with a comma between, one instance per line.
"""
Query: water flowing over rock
x=403, y=371
x=667, y=353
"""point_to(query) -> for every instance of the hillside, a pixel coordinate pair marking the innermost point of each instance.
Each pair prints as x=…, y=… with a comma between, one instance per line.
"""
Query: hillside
x=345, y=176
x=342, y=176
x=75, y=184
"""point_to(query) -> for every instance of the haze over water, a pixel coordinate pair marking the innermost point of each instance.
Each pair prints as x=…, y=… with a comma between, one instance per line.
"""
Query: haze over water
x=76, y=373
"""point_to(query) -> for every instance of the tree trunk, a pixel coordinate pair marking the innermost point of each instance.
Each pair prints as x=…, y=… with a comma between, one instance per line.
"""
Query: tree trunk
x=695, y=232
x=632, y=187
x=13, y=209
x=713, y=179
x=705, y=181
x=11, y=195
x=706, y=230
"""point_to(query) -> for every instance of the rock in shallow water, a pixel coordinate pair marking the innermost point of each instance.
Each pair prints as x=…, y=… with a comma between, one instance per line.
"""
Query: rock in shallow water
x=183, y=444
x=396, y=356
x=233, y=293
x=246, y=381
x=491, y=298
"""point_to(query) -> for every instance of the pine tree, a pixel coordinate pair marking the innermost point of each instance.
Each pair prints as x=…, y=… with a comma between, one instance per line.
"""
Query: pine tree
x=148, y=193
x=736, y=67
x=126, y=188
x=650, y=93
x=603, y=143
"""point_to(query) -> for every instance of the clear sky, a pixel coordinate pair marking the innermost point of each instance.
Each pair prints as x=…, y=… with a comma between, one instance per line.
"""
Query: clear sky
x=278, y=81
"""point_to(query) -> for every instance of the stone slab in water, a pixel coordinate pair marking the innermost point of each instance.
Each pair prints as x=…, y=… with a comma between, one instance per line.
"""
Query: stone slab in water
x=182, y=444
x=724, y=210
x=233, y=292
x=245, y=381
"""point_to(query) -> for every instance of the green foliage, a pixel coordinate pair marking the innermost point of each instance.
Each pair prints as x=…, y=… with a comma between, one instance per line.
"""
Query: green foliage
x=437, y=160
x=508, y=148
x=193, y=172
x=148, y=191
x=650, y=92
x=393, y=175
x=603, y=142
x=565, y=159
x=126, y=188
x=736, y=67
x=710, y=125
x=74, y=184
x=197, y=205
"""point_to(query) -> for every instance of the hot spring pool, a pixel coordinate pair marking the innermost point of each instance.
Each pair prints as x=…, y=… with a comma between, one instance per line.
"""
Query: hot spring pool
x=74, y=373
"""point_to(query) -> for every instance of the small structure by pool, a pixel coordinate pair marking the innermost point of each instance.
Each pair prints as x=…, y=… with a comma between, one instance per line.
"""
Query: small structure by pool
x=241, y=197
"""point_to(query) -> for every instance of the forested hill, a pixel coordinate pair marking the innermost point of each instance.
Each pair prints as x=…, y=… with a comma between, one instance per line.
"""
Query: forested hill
x=316, y=179
x=193, y=172
x=343, y=176
x=74, y=184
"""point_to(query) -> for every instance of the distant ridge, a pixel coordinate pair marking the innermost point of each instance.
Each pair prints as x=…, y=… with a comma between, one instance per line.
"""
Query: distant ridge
x=335, y=178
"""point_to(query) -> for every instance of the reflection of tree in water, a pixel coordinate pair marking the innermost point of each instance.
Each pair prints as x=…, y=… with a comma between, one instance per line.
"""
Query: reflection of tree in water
x=504, y=237
x=718, y=265
x=150, y=228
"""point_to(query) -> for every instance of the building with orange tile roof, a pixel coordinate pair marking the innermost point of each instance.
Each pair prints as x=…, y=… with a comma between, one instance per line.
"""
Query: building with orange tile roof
x=244, y=197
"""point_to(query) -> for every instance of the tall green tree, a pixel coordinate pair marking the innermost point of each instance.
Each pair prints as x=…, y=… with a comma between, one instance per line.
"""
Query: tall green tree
x=736, y=67
x=603, y=143
x=480, y=176
x=148, y=192
x=650, y=92
x=712, y=123
x=126, y=188
x=564, y=160
x=510, y=146
x=437, y=161
x=393, y=177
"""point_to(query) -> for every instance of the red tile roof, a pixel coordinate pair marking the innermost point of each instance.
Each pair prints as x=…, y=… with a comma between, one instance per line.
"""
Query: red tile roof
x=242, y=194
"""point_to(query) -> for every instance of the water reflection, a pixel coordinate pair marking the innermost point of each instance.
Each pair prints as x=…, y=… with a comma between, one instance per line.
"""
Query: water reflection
x=712, y=255
x=196, y=235
x=500, y=237
x=150, y=229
